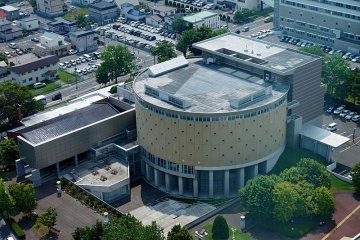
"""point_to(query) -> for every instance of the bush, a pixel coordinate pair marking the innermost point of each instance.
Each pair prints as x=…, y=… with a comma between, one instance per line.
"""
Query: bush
x=16, y=228
x=220, y=229
x=113, y=89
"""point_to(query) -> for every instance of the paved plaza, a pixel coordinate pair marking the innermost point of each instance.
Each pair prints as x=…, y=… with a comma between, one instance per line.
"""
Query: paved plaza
x=170, y=212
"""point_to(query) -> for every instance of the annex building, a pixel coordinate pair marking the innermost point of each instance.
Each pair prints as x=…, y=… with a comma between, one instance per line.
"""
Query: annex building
x=196, y=128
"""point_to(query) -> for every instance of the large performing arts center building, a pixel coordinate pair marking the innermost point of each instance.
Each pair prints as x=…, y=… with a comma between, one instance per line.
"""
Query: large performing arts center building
x=207, y=125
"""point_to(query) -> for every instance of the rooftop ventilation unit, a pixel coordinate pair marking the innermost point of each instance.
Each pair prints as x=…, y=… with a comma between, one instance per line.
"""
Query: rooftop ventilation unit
x=168, y=66
x=255, y=97
x=103, y=178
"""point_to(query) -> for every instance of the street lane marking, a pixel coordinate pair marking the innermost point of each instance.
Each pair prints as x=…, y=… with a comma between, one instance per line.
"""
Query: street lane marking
x=341, y=223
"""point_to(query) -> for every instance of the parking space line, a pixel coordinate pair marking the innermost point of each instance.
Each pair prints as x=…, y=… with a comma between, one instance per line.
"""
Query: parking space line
x=349, y=135
x=342, y=133
x=345, y=149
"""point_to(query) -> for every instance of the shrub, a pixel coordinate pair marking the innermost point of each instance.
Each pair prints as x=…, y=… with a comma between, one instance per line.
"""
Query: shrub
x=16, y=228
x=220, y=229
x=113, y=89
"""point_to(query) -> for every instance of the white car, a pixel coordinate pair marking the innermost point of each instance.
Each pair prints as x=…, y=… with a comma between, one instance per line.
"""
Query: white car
x=344, y=113
x=72, y=51
x=350, y=115
x=339, y=110
x=356, y=118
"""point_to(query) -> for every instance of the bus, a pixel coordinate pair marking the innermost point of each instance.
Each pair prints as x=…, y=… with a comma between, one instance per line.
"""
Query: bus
x=41, y=99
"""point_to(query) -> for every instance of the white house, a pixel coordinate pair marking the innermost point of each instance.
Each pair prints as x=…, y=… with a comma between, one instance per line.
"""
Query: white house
x=28, y=24
x=204, y=18
x=52, y=43
x=35, y=70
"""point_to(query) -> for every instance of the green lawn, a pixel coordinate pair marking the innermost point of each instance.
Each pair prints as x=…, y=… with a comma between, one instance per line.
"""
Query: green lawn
x=66, y=77
x=71, y=15
x=340, y=185
x=50, y=86
x=238, y=234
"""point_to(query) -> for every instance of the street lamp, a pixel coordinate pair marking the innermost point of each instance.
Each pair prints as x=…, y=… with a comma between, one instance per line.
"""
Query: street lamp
x=233, y=231
x=76, y=87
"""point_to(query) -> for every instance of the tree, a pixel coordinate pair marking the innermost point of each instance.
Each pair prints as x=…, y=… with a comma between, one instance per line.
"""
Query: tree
x=314, y=173
x=24, y=197
x=355, y=175
x=33, y=4
x=258, y=196
x=179, y=233
x=118, y=61
x=336, y=75
x=180, y=25
x=285, y=201
x=9, y=152
x=3, y=57
x=102, y=75
x=243, y=15
x=94, y=232
x=163, y=51
x=7, y=205
x=48, y=218
x=15, y=100
x=82, y=21
x=325, y=202
x=220, y=228
x=355, y=85
x=316, y=50
x=129, y=228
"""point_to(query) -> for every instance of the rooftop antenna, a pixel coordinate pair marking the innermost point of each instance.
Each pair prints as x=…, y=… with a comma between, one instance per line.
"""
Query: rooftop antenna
x=246, y=48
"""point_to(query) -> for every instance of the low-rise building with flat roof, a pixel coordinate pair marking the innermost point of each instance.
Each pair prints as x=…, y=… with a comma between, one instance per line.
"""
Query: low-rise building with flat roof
x=84, y=40
x=62, y=26
x=52, y=43
x=204, y=18
x=8, y=31
x=103, y=12
x=28, y=24
x=12, y=13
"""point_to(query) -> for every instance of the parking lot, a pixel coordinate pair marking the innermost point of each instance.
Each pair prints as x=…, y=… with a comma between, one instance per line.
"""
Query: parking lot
x=24, y=44
x=349, y=153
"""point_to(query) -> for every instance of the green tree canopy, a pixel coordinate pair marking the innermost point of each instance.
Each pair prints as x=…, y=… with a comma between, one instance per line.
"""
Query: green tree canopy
x=258, y=195
x=7, y=205
x=180, y=25
x=14, y=97
x=285, y=201
x=179, y=233
x=163, y=51
x=48, y=218
x=220, y=228
x=24, y=197
x=3, y=57
x=102, y=75
x=9, y=152
x=316, y=50
x=129, y=228
x=82, y=21
x=325, y=202
x=94, y=232
x=243, y=15
x=355, y=175
x=314, y=173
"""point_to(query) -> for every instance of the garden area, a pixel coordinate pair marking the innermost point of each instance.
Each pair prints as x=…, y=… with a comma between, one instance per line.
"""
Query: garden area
x=66, y=77
x=50, y=86
x=71, y=16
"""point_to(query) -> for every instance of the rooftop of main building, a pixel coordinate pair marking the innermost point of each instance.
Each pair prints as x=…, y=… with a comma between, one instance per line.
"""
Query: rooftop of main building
x=255, y=52
x=205, y=88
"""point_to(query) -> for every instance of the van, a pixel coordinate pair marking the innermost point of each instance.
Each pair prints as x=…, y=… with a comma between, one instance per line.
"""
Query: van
x=41, y=99
x=332, y=127
x=246, y=29
x=56, y=96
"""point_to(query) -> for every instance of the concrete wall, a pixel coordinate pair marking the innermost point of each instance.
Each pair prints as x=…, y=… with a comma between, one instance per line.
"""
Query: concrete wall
x=66, y=146
x=213, y=144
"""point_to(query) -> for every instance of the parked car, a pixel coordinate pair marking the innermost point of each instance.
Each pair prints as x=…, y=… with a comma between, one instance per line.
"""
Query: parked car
x=332, y=127
x=72, y=51
x=350, y=115
x=35, y=40
x=12, y=45
x=56, y=96
x=39, y=85
x=356, y=118
x=344, y=113
x=330, y=110
x=339, y=110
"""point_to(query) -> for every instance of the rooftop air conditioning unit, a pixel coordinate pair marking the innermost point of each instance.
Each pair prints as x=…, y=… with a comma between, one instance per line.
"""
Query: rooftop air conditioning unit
x=210, y=60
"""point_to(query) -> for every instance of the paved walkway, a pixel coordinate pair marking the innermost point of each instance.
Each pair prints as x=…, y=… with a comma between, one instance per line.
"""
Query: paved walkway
x=345, y=221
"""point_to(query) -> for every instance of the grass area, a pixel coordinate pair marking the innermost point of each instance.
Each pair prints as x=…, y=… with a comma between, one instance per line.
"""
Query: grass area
x=72, y=15
x=214, y=202
x=50, y=86
x=340, y=185
x=66, y=77
x=295, y=229
x=237, y=234
x=291, y=157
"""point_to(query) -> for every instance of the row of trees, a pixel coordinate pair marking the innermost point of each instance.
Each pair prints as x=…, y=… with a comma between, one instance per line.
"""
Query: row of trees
x=181, y=7
x=300, y=191
x=244, y=15
x=355, y=175
x=9, y=152
x=196, y=35
x=128, y=227
x=341, y=82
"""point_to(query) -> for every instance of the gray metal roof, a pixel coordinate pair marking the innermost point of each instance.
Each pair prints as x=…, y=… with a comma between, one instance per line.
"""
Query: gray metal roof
x=207, y=88
x=67, y=123
x=323, y=136
x=34, y=64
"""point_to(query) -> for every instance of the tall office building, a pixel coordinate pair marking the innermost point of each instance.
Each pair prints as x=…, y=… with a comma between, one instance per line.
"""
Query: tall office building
x=334, y=23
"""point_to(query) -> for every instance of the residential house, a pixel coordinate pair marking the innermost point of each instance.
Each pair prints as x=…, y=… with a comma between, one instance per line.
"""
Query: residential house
x=52, y=44
x=62, y=26
x=103, y=12
x=204, y=18
x=50, y=7
x=83, y=40
x=82, y=3
x=35, y=70
x=28, y=24
x=12, y=13
x=154, y=20
x=7, y=30
x=125, y=7
x=167, y=14
x=128, y=11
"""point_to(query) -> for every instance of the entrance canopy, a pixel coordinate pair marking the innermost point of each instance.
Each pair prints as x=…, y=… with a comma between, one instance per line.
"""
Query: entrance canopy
x=323, y=136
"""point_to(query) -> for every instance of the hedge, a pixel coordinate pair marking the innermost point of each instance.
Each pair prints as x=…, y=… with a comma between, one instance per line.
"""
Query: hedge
x=16, y=228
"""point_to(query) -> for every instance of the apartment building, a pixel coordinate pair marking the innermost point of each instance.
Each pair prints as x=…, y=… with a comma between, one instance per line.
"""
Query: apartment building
x=328, y=22
x=204, y=18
